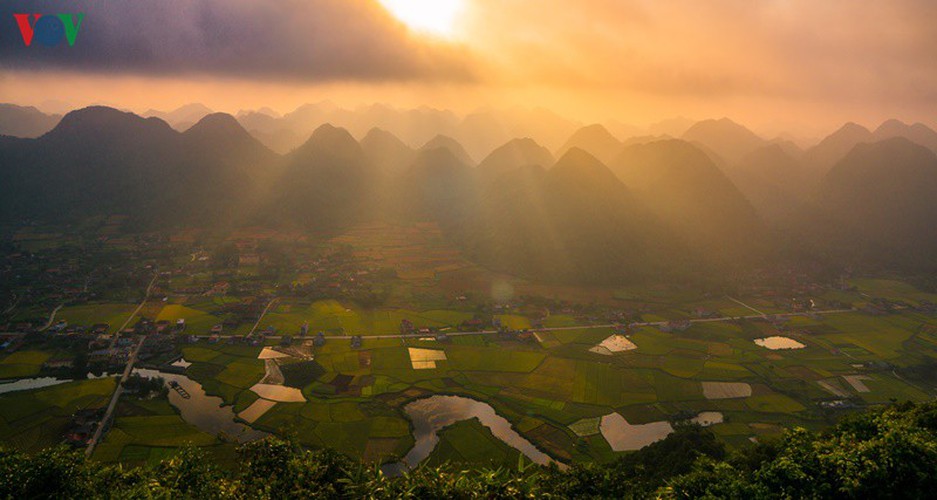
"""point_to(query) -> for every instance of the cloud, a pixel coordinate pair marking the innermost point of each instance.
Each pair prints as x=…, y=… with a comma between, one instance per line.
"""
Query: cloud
x=303, y=40
x=858, y=50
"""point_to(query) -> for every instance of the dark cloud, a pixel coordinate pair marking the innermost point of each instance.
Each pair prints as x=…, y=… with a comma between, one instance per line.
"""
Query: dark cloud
x=311, y=40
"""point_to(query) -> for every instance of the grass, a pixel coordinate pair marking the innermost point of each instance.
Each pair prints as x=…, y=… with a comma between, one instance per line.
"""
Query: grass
x=153, y=431
x=113, y=314
x=469, y=443
x=493, y=359
x=334, y=317
x=196, y=321
x=224, y=370
x=552, y=392
x=32, y=420
x=22, y=364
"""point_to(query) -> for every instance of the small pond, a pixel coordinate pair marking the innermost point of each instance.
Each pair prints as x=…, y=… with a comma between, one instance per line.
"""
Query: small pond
x=430, y=415
x=624, y=436
x=775, y=343
x=26, y=384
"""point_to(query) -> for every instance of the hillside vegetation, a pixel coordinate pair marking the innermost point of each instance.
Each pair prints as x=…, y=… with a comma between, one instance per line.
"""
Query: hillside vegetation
x=883, y=453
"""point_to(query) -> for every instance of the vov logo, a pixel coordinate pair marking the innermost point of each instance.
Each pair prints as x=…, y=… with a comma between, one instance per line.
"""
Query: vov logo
x=49, y=29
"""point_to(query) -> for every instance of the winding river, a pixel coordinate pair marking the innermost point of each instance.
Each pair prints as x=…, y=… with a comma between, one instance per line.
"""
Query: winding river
x=201, y=410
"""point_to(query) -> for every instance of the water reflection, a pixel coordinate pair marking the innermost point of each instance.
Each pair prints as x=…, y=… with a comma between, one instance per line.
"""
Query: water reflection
x=26, y=384
x=201, y=410
x=431, y=414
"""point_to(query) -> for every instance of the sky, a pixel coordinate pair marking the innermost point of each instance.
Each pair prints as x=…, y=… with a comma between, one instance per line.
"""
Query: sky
x=775, y=65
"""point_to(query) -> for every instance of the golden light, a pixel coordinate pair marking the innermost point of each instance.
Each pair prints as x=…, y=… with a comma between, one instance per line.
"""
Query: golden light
x=435, y=17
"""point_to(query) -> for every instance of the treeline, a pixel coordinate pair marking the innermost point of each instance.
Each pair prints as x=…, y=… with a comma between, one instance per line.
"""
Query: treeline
x=884, y=453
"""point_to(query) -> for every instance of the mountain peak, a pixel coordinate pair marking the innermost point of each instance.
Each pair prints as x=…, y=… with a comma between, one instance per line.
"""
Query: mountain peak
x=216, y=123
x=514, y=154
x=385, y=150
x=725, y=137
x=378, y=135
x=583, y=165
x=333, y=141
x=892, y=126
x=595, y=139
x=454, y=147
x=103, y=119
x=223, y=134
x=330, y=134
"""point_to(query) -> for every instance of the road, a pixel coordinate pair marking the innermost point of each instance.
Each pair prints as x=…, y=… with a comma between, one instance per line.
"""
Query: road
x=127, y=370
x=136, y=311
x=264, y=313
x=561, y=328
x=51, y=318
x=746, y=306
x=114, y=397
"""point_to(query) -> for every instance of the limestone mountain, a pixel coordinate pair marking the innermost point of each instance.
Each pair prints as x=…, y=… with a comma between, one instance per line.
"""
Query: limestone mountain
x=594, y=139
x=514, y=154
x=880, y=202
x=99, y=160
x=386, y=152
x=687, y=192
x=454, y=147
x=833, y=148
x=25, y=121
x=325, y=184
x=726, y=138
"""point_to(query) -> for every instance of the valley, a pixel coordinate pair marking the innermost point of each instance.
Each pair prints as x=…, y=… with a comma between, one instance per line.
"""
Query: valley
x=341, y=319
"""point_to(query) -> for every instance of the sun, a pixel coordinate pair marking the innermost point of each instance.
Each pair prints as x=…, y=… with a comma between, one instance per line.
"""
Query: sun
x=435, y=17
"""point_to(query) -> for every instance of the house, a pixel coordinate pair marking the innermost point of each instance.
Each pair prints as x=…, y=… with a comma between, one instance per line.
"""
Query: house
x=406, y=327
x=58, y=363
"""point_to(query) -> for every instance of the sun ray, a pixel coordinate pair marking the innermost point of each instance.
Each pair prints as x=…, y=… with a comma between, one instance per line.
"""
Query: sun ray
x=435, y=17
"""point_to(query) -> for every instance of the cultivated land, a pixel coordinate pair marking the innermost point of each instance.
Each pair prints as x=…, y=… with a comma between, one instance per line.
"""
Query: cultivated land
x=527, y=349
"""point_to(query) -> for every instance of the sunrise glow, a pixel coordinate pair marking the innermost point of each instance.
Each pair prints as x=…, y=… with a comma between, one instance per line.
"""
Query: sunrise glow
x=436, y=17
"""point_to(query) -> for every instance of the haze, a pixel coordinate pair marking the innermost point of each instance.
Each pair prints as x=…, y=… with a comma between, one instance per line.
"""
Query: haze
x=778, y=66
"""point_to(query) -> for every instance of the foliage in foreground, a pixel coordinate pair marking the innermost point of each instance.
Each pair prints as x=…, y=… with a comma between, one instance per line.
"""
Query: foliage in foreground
x=884, y=453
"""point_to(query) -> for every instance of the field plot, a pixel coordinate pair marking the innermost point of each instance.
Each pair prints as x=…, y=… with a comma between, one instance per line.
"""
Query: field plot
x=469, y=443
x=335, y=318
x=36, y=419
x=196, y=321
x=726, y=390
x=858, y=382
x=577, y=393
x=114, y=315
x=613, y=344
x=224, y=370
x=23, y=364
x=623, y=436
x=776, y=343
x=425, y=359
x=147, y=431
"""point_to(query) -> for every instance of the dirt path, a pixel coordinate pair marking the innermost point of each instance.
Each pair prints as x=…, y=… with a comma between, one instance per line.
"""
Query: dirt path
x=273, y=376
x=51, y=318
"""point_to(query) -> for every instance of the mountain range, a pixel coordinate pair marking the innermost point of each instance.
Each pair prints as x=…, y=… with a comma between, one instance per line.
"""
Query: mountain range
x=600, y=210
